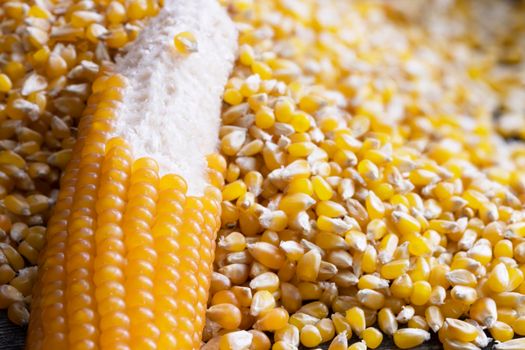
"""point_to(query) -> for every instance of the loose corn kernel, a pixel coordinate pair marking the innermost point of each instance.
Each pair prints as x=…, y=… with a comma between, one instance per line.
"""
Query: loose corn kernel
x=484, y=311
x=396, y=268
x=498, y=279
x=510, y=344
x=262, y=301
x=272, y=320
x=371, y=299
x=434, y=318
x=310, y=336
x=289, y=334
x=260, y=341
x=235, y=340
x=460, y=330
x=519, y=325
x=326, y=329
x=340, y=342
x=228, y=316
x=308, y=266
x=372, y=337
x=407, y=338
x=5, y=83
x=358, y=346
x=418, y=322
x=501, y=331
x=387, y=321
x=185, y=42
x=356, y=319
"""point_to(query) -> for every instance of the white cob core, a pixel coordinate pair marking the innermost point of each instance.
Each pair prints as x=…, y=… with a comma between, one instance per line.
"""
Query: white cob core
x=172, y=102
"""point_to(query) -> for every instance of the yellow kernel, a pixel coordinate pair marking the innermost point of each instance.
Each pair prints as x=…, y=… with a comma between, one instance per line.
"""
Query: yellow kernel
x=372, y=337
x=301, y=185
x=420, y=292
x=264, y=118
x=228, y=316
x=356, y=319
x=407, y=338
x=498, y=280
x=5, y=83
x=233, y=190
x=394, y=269
x=185, y=42
x=263, y=69
x=501, y=331
x=503, y=248
x=310, y=336
x=233, y=96
x=330, y=208
x=300, y=121
x=374, y=206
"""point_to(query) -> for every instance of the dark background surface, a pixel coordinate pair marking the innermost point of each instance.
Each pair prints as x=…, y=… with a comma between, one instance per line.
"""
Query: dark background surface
x=11, y=336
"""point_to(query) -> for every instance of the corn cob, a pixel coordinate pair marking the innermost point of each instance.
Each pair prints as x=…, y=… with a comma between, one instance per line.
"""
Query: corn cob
x=127, y=263
x=121, y=242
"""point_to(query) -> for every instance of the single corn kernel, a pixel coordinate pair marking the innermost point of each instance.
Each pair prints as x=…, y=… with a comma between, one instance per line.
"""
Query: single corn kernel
x=340, y=342
x=5, y=83
x=289, y=334
x=519, y=325
x=374, y=206
x=514, y=344
x=322, y=189
x=460, y=330
x=185, y=43
x=233, y=190
x=503, y=248
x=262, y=301
x=498, y=279
x=341, y=324
x=466, y=295
x=326, y=329
x=402, y=286
x=264, y=118
x=356, y=319
x=371, y=299
x=387, y=321
x=236, y=340
x=407, y=338
x=484, y=311
x=418, y=322
x=434, y=318
x=308, y=266
x=372, y=337
x=272, y=320
x=310, y=336
x=228, y=316
x=396, y=268
x=260, y=341
x=501, y=331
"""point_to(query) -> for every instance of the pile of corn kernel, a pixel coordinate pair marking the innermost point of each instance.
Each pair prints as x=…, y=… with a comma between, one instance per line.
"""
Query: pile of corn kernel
x=367, y=190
